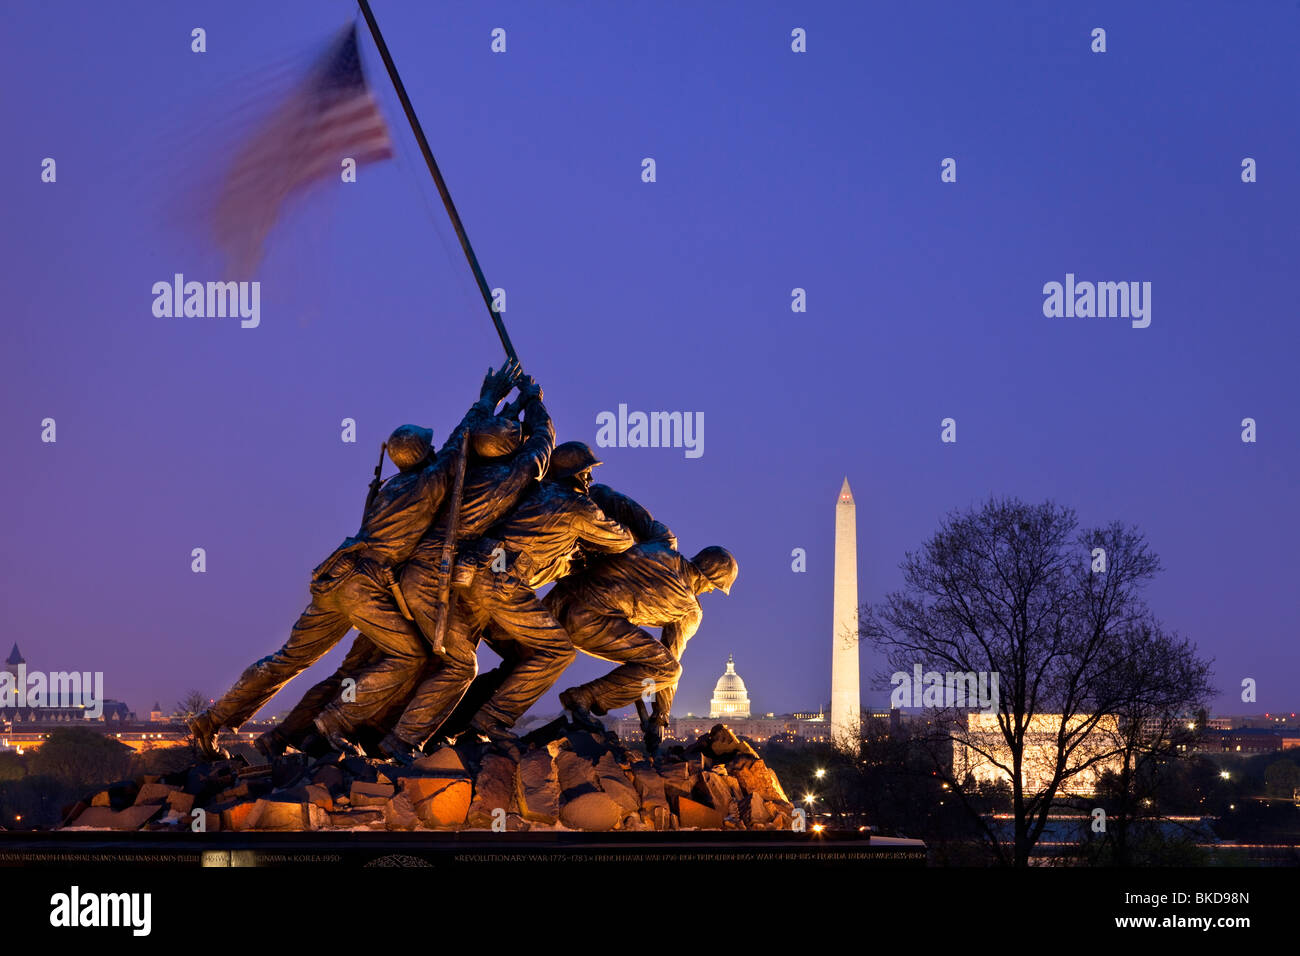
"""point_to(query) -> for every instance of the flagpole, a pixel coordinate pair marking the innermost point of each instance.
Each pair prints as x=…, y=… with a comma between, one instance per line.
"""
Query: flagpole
x=437, y=176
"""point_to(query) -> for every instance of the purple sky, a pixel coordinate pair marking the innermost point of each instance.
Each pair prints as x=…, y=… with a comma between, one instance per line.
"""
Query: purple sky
x=775, y=170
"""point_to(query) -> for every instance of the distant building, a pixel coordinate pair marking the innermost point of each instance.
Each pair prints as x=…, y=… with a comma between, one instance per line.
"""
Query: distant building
x=1248, y=734
x=730, y=698
x=982, y=752
x=18, y=717
x=1283, y=721
x=1246, y=740
x=138, y=735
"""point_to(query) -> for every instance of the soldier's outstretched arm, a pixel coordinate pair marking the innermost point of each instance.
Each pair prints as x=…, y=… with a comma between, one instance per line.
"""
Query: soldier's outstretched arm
x=528, y=391
x=599, y=532
x=674, y=636
x=497, y=385
x=632, y=515
x=534, y=455
x=677, y=633
x=436, y=478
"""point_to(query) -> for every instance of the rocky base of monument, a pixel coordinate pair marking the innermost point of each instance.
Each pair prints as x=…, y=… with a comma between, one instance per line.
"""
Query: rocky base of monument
x=558, y=778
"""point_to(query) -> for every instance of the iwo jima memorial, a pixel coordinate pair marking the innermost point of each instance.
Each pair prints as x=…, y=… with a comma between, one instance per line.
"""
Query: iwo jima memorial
x=406, y=754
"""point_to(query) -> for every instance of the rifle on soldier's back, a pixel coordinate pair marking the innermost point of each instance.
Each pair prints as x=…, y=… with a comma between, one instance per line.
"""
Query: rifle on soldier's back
x=375, y=482
x=448, y=556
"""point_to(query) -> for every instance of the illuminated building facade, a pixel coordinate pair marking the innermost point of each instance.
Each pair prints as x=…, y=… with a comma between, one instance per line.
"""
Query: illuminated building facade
x=730, y=698
x=983, y=748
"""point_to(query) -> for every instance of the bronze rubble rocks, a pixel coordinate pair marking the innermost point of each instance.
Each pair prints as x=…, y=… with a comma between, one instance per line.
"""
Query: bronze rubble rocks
x=566, y=779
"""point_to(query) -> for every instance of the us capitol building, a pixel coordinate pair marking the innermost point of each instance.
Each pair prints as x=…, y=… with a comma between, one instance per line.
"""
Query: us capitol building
x=730, y=706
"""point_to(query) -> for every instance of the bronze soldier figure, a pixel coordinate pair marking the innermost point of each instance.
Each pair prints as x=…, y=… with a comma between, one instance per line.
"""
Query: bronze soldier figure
x=494, y=480
x=498, y=478
x=493, y=488
x=298, y=726
x=496, y=583
x=615, y=505
x=719, y=566
x=605, y=607
x=500, y=471
x=353, y=588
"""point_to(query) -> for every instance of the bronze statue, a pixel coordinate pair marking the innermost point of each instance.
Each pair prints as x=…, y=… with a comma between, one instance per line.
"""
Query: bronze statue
x=298, y=728
x=528, y=516
x=605, y=608
x=497, y=479
x=503, y=464
x=497, y=579
x=353, y=587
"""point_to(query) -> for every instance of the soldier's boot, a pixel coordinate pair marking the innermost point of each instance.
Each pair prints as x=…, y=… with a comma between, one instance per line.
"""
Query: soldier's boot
x=578, y=701
x=396, y=749
x=204, y=731
x=653, y=736
x=653, y=726
x=491, y=731
x=272, y=744
x=335, y=734
x=314, y=745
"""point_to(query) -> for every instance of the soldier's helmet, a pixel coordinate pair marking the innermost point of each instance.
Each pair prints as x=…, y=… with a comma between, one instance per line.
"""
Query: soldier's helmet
x=718, y=565
x=571, y=458
x=409, y=445
x=497, y=438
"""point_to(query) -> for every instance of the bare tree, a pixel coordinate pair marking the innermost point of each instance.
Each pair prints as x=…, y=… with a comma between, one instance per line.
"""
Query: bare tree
x=191, y=703
x=1162, y=684
x=1019, y=591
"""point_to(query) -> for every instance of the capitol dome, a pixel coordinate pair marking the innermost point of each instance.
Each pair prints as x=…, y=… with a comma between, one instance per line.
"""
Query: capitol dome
x=730, y=699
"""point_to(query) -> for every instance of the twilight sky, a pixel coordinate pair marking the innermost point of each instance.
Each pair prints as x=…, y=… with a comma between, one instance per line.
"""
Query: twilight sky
x=775, y=170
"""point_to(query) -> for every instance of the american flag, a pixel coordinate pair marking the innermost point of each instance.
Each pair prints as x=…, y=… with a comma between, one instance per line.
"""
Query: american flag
x=331, y=116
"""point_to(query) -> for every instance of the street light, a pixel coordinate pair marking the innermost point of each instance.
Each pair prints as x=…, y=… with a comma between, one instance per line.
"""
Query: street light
x=820, y=773
x=1224, y=775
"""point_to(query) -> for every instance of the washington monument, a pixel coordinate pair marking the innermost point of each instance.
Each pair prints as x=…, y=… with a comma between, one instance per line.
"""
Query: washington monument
x=846, y=701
